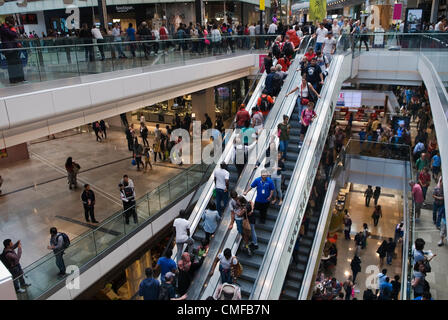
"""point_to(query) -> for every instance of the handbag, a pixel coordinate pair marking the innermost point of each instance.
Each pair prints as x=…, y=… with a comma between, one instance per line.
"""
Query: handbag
x=133, y=162
x=304, y=101
x=247, y=230
x=237, y=270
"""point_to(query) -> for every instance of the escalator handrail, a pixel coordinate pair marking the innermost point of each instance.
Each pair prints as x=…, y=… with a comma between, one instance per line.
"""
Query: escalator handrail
x=278, y=239
x=316, y=248
x=281, y=104
x=203, y=200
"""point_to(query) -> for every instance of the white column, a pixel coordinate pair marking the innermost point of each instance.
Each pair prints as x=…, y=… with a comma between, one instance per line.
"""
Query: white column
x=7, y=291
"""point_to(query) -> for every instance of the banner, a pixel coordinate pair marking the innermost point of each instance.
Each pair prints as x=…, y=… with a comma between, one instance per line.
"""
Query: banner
x=398, y=7
x=318, y=10
x=262, y=5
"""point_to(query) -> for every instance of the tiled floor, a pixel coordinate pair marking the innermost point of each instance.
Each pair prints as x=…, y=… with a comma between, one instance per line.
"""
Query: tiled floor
x=391, y=203
x=36, y=195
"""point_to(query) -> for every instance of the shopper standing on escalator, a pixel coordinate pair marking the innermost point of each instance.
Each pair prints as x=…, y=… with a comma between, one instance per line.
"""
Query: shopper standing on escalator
x=222, y=187
x=265, y=191
x=314, y=74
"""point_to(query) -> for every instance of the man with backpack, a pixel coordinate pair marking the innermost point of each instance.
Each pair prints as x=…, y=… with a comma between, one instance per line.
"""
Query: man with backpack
x=59, y=241
x=11, y=260
x=168, y=290
x=277, y=80
x=264, y=104
x=127, y=195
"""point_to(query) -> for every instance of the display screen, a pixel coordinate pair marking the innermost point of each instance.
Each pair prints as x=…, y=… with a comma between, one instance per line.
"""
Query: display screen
x=28, y=18
x=351, y=99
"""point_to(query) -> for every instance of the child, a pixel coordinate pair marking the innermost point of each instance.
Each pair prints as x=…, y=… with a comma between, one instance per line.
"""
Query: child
x=147, y=155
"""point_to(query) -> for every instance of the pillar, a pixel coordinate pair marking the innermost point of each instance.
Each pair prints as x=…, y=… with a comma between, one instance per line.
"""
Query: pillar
x=7, y=291
x=434, y=11
x=199, y=11
x=203, y=102
x=102, y=13
x=14, y=154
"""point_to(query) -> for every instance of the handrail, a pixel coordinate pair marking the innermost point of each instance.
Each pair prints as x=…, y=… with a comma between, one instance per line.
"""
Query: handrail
x=90, y=235
x=209, y=166
x=314, y=139
x=231, y=238
x=318, y=243
x=137, y=42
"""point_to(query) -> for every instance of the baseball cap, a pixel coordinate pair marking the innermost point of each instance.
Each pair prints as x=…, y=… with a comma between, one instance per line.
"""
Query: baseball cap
x=169, y=276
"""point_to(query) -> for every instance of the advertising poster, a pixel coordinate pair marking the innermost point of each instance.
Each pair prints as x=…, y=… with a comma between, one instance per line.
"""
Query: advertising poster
x=413, y=20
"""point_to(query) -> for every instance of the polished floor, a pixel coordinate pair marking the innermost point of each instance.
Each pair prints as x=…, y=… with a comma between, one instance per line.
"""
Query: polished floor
x=36, y=194
x=391, y=203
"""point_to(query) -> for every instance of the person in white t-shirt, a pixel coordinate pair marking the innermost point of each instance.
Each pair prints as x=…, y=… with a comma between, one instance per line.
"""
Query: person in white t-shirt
x=222, y=187
x=321, y=33
x=336, y=29
x=182, y=226
x=299, y=31
x=226, y=261
x=329, y=46
x=272, y=28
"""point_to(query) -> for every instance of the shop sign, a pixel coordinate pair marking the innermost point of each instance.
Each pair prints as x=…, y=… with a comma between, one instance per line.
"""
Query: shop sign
x=124, y=9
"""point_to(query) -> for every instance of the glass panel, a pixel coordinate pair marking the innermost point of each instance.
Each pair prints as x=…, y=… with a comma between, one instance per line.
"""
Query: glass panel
x=66, y=57
x=43, y=276
x=143, y=208
x=109, y=233
x=164, y=196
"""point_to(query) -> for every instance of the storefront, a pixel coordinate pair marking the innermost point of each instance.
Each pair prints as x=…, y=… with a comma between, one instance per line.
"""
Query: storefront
x=122, y=283
x=227, y=97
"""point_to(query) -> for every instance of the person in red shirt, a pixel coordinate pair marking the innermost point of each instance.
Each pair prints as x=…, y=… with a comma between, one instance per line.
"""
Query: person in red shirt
x=285, y=63
x=310, y=54
x=242, y=116
x=424, y=179
x=265, y=103
x=293, y=36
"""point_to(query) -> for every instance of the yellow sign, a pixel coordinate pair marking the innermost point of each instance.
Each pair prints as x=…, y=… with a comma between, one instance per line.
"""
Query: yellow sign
x=262, y=5
x=318, y=10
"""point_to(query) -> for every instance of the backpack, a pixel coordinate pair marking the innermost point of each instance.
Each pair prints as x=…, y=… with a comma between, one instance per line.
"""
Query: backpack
x=277, y=81
x=65, y=239
x=288, y=49
x=128, y=192
x=5, y=260
x=276, y=52
x=264, y=103
x=164, y=292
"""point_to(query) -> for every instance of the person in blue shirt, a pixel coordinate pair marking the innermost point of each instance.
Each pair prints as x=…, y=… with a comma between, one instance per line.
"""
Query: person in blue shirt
x=425, y=296
x=166, y=264
x=265, y=191
x=149, y=287
x=409, y=95
x=211, y=219
x=131, y=37
x=385, y=290
x=436, y=162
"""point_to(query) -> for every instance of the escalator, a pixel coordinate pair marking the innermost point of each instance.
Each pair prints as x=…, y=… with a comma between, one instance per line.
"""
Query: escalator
x=251, y=264
x=275, y=276
x=201, y=282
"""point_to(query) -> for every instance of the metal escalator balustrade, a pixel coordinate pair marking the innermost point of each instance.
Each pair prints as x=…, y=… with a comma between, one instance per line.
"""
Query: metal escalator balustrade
x=276, y=261
x=283, y=105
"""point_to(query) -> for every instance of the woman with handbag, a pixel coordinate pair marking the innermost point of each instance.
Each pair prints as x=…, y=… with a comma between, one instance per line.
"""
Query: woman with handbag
x=226, y=261
x=306, y=94
x=248, y=225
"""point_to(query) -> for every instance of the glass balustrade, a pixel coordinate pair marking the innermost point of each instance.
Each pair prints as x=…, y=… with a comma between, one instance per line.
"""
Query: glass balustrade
x=42, y=274
x=62, y=58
